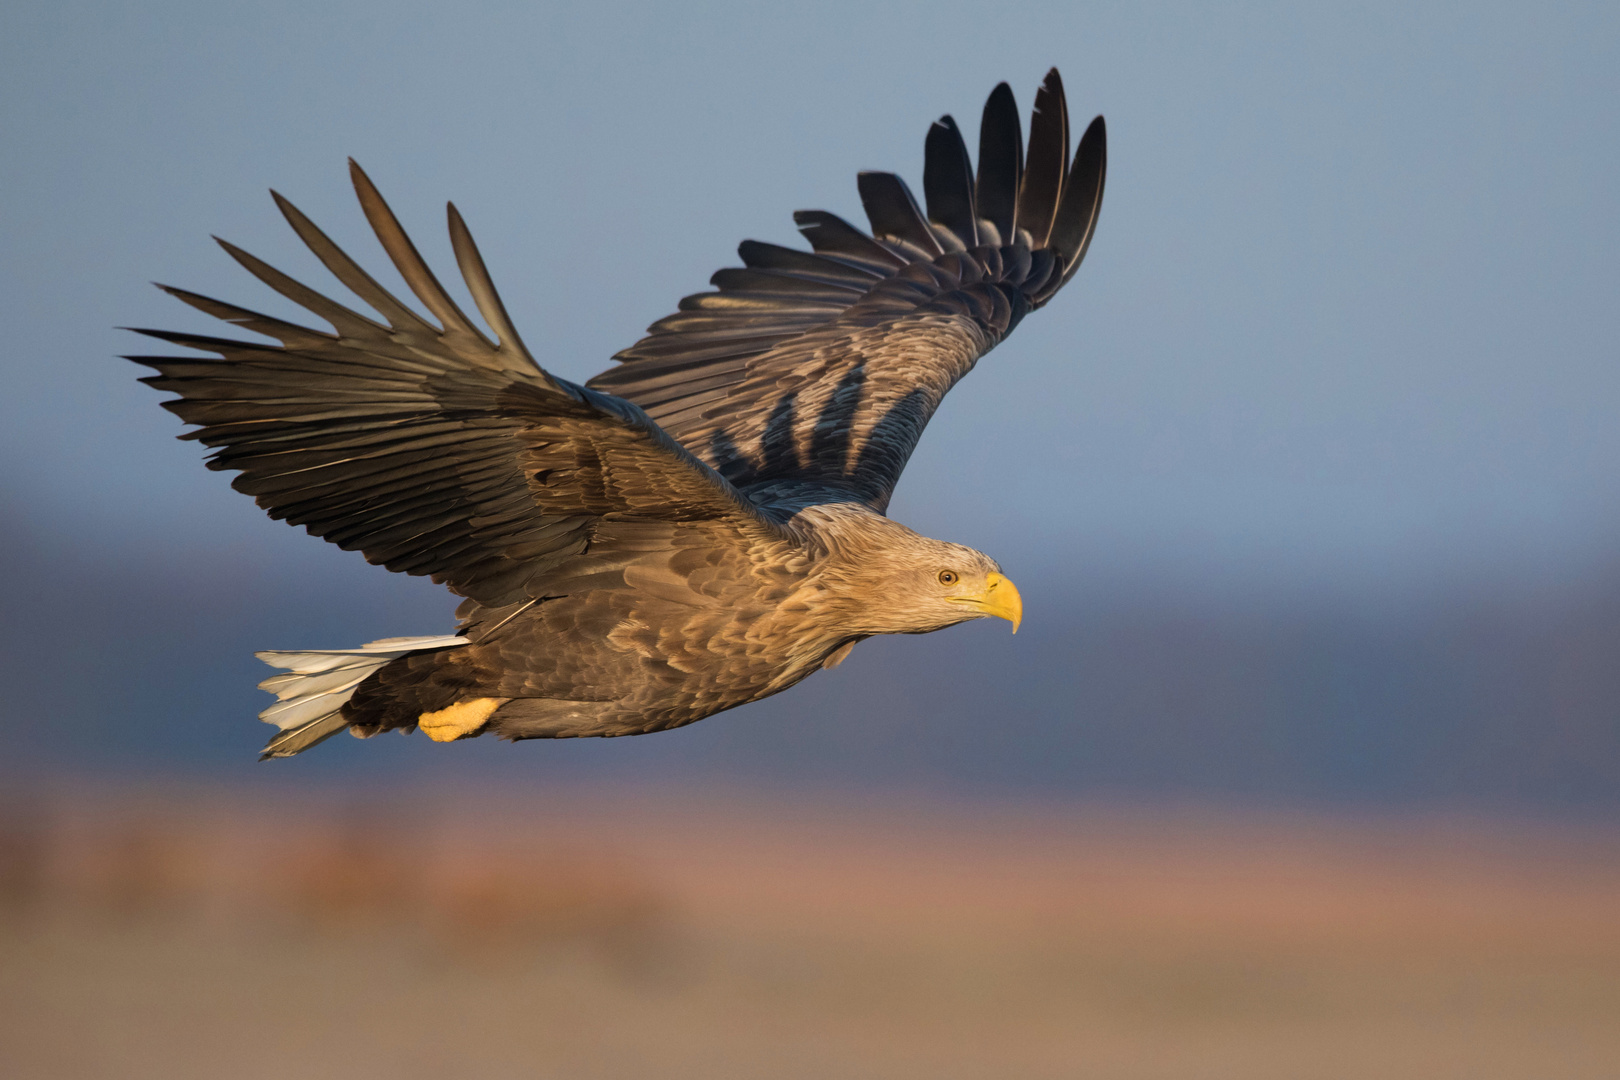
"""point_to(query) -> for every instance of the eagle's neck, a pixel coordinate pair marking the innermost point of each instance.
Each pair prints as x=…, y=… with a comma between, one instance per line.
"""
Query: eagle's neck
x=851, y=589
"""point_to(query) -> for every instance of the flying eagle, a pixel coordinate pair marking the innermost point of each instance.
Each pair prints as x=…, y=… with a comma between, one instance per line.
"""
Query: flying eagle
x=700, y=526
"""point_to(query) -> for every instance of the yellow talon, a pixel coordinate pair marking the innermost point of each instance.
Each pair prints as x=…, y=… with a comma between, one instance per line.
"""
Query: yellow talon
x=459, y=720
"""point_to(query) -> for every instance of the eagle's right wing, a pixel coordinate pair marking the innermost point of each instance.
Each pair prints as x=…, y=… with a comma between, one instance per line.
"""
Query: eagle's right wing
x=810, y=375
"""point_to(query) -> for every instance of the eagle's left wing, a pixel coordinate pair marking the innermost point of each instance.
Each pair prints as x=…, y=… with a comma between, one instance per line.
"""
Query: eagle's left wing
x=431, y=448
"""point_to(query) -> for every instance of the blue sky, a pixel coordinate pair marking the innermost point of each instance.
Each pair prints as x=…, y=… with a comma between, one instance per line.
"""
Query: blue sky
x=1346, y=336
x=1349, y=317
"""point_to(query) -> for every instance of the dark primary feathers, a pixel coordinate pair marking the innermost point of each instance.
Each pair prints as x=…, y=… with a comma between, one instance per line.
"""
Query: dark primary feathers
x=623, y=543
x=812, y=375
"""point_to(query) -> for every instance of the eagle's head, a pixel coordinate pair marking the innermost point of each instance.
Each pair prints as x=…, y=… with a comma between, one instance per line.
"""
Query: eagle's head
x=883, y=578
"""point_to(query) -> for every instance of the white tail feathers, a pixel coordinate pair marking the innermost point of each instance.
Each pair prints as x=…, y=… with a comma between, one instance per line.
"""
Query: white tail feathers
x=310, y=697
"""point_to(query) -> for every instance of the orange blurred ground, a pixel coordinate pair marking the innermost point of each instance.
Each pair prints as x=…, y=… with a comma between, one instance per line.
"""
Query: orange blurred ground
x=593, y=933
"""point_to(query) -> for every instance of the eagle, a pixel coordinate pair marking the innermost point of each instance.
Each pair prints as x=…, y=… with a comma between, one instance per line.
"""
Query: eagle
x=696, y=528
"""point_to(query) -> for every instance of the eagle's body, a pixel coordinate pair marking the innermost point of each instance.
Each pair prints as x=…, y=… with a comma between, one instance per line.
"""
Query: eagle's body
x=688, y=629
x=697, y=528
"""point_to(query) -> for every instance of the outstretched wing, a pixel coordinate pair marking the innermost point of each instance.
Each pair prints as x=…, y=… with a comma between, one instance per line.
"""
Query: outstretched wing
x=811, y=374
x=432, y=449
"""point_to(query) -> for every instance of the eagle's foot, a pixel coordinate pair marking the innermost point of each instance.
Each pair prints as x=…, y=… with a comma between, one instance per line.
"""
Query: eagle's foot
x=460, y=720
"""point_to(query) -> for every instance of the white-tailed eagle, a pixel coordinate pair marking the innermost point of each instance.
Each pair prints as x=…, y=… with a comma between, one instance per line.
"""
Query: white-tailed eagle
x=696, y=528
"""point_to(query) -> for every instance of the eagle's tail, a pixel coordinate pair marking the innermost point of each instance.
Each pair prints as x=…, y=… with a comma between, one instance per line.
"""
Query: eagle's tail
x=310, y=697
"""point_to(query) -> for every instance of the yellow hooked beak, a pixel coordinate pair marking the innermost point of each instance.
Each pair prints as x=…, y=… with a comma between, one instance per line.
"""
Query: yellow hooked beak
x=999, y=598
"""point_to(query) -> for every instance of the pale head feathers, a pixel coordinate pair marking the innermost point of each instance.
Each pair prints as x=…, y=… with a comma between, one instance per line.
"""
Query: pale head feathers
x=878, y=577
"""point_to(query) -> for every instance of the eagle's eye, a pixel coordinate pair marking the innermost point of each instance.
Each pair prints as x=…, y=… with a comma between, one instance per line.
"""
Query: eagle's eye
x=947, y=577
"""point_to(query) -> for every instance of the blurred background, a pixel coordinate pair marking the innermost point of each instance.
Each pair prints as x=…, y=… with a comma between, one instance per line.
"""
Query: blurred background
x=1306, y=761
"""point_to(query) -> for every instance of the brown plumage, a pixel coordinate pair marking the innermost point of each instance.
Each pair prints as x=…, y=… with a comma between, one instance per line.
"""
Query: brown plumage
x=696, y=528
